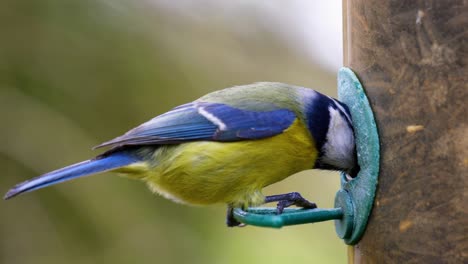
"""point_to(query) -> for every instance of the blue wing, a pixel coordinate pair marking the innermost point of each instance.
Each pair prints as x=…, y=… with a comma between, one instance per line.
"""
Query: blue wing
x=206, y=121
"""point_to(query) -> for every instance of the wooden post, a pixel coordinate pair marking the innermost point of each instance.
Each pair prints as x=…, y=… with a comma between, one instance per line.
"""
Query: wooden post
x=411, y=57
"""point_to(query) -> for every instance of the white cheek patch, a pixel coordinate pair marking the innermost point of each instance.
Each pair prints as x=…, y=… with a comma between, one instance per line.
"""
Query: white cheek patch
x=214, y=119
x=339, y=147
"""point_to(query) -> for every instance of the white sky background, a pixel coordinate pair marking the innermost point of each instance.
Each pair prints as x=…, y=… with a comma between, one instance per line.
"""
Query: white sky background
x=312, y=27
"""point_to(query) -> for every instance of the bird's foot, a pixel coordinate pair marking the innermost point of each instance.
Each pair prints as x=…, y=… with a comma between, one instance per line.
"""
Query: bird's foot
x=289, y=199
x=230, y=220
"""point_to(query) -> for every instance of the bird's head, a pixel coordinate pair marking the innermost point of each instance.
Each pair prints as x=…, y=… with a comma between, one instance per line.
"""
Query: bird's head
x=330, y=124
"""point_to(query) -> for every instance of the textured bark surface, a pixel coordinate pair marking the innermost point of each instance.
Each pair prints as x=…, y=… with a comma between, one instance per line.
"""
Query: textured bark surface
x=412, y=59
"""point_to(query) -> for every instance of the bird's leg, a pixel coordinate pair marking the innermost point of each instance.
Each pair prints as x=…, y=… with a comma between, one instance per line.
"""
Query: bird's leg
x=288, y=199
x=230, y=220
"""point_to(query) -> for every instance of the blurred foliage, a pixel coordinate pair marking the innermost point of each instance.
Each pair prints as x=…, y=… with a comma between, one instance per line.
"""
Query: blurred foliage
x=76, y=73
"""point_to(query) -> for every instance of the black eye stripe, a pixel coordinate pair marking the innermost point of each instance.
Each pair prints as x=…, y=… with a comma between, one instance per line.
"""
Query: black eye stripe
x=344, y=112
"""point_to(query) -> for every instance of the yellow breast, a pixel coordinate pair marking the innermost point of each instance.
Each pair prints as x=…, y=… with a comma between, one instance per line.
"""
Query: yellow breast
x=232, y=172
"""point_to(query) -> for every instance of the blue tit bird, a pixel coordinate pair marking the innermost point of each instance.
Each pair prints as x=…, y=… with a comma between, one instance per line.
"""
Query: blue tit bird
x=226, y=146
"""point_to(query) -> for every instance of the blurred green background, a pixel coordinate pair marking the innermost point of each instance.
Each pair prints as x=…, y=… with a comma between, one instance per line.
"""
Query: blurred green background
x=76, y=73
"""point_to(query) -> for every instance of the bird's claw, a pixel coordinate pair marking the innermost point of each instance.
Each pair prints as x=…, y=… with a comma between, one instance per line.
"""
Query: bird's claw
x=230, y=220
x=284, y=201
x=289, y=199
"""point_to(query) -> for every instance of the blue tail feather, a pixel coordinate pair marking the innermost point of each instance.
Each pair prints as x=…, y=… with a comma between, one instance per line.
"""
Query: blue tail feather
x=85, y=168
